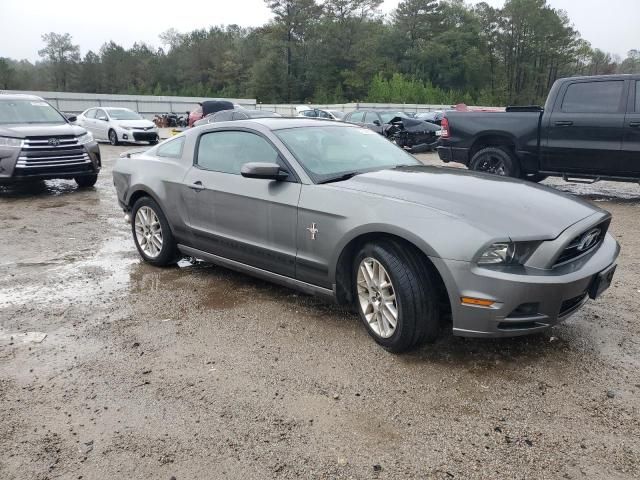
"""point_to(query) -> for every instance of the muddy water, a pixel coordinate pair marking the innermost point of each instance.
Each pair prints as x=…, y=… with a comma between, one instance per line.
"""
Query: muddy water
x=200, y=372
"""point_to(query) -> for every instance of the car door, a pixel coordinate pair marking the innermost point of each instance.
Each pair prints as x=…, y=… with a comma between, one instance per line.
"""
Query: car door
x=584, y=131
x=373, y=121
x=631, y=140
x=252, y=221
x=101, y=125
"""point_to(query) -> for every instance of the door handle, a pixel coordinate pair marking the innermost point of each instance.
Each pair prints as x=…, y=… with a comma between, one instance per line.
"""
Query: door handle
x=197, y=186
x=564, y=123
x=634, y=124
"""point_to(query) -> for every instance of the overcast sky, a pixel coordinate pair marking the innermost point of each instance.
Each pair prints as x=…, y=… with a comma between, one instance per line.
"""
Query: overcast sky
x=612, y=25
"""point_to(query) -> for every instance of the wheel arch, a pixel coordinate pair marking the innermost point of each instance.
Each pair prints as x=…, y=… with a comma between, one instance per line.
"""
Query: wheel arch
x=493, y=139
x=343, y=267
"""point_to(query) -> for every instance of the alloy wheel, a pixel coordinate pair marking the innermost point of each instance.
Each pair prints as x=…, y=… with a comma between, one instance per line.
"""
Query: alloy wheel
x=492, y=164
x=377, y=297
x=148, y=231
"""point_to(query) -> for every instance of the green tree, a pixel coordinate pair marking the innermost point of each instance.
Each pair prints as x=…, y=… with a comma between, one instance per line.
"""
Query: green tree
x=62, y=57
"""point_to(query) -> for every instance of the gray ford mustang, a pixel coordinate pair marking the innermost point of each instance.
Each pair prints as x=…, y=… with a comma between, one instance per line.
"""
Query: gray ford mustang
x=337, y=210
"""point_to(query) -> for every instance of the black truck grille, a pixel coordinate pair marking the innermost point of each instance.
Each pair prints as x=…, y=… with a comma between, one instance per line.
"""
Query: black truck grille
x=41, y=155
x=584, y=243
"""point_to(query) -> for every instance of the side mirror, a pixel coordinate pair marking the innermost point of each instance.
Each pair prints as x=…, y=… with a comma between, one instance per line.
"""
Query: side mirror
x=265, y=171
x=104, y=119
x=376, y=122
x=72, y=118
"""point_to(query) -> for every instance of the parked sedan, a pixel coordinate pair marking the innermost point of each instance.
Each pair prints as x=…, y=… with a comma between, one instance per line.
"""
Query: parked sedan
x=413, y=134
x=117, y=125
x=320, y=113
x=336, y=210
x=235, y=114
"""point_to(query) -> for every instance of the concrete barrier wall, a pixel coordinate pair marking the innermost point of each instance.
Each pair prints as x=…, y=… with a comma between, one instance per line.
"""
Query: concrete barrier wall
x=149, y=105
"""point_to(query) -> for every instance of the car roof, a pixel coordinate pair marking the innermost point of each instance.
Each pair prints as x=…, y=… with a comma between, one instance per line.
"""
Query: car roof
x=19, y=96
x=114, y=108
x=281, y=123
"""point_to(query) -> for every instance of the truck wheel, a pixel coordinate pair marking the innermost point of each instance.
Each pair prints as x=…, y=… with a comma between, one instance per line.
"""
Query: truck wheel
x=496, y=160
x=113, y=138
x=152, y=233
x=86, y=181
x=395, y=296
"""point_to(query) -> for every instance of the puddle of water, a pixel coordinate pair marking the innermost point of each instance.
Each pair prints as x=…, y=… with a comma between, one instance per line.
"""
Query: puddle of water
x=46, y=188
x=79, y=281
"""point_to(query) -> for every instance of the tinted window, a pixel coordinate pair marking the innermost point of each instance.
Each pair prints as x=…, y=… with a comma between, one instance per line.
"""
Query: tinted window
x=357, y=117
x=227, y=152
x=638, y=96
x=310, y=113
x=171, y=149
x=593, y=97
x=322, y=114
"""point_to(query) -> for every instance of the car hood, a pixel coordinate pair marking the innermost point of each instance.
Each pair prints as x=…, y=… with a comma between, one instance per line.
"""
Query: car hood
x=41, y=129
x=134, y=123
x=497, y=205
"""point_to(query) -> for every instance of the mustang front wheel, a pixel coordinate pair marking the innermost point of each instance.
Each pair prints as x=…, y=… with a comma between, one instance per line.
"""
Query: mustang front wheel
x=395, y=295
x=151, y=233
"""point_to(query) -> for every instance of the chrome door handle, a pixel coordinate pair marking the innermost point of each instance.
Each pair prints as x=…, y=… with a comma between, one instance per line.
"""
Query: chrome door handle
x=197, y=186
x=634, y=124
x=564, y=124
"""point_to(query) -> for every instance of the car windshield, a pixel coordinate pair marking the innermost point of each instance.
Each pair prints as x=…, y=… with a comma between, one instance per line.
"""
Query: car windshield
x=328, y=153
x=28, y=111
x=124, y=115
x=387, y=116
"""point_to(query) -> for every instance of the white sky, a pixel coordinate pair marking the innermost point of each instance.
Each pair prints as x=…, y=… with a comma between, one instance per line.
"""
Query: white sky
x=612, y=25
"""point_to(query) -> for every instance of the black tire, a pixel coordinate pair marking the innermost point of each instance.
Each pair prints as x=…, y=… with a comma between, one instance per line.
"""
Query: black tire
x=416, y=295
x=86, y=181
x=535, y=177
x=153, y=142
x=169, y=252
x=496, y=160
x=113, y=138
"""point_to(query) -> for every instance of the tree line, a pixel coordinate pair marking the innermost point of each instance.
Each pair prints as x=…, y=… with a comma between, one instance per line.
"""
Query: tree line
x=333, y=51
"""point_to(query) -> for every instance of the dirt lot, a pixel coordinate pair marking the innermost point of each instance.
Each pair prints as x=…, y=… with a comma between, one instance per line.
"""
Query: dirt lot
x=200, y=372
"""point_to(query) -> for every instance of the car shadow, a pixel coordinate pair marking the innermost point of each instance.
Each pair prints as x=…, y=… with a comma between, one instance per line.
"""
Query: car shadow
x=42, y=188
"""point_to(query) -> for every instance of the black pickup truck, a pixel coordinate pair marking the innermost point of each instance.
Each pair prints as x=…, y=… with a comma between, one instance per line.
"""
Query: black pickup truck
x=588, y=129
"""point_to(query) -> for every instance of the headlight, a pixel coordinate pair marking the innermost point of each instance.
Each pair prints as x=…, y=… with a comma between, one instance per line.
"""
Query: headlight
x=10, y=142
x=507, y=253
x=125, y=128
x=85, y=138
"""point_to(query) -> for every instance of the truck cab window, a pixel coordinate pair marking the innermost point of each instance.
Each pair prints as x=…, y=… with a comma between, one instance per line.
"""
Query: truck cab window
x=593, y=97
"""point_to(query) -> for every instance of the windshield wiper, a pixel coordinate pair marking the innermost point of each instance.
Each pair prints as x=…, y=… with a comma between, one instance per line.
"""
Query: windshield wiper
x=339, y=178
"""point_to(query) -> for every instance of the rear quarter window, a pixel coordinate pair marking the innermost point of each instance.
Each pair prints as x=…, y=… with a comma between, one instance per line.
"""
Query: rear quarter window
x=171, y=149
x=593, y=97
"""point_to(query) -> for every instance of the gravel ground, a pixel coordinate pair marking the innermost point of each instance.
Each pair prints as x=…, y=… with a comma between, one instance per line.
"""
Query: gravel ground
x=200, y=372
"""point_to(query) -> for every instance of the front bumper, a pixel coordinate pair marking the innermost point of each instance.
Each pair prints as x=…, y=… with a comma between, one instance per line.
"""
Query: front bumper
x=527, y=300
x=135, y=136
x=12, y=172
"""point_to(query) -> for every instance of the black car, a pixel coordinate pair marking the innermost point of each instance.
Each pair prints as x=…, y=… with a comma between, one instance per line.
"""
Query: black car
x=413, y=134
x=589, y=129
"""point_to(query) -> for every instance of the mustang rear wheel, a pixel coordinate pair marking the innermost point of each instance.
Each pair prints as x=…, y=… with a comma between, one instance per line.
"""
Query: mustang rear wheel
x=395, y=295
x=151, y=233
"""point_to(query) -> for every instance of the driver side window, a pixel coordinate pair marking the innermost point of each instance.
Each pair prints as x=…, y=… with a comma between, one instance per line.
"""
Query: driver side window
x=228, y=151
x=101, y=115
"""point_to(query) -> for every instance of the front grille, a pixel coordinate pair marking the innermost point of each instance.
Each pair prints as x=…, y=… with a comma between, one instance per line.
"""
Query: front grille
x=145, y=136
x=584, y=243
x=50, y=154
